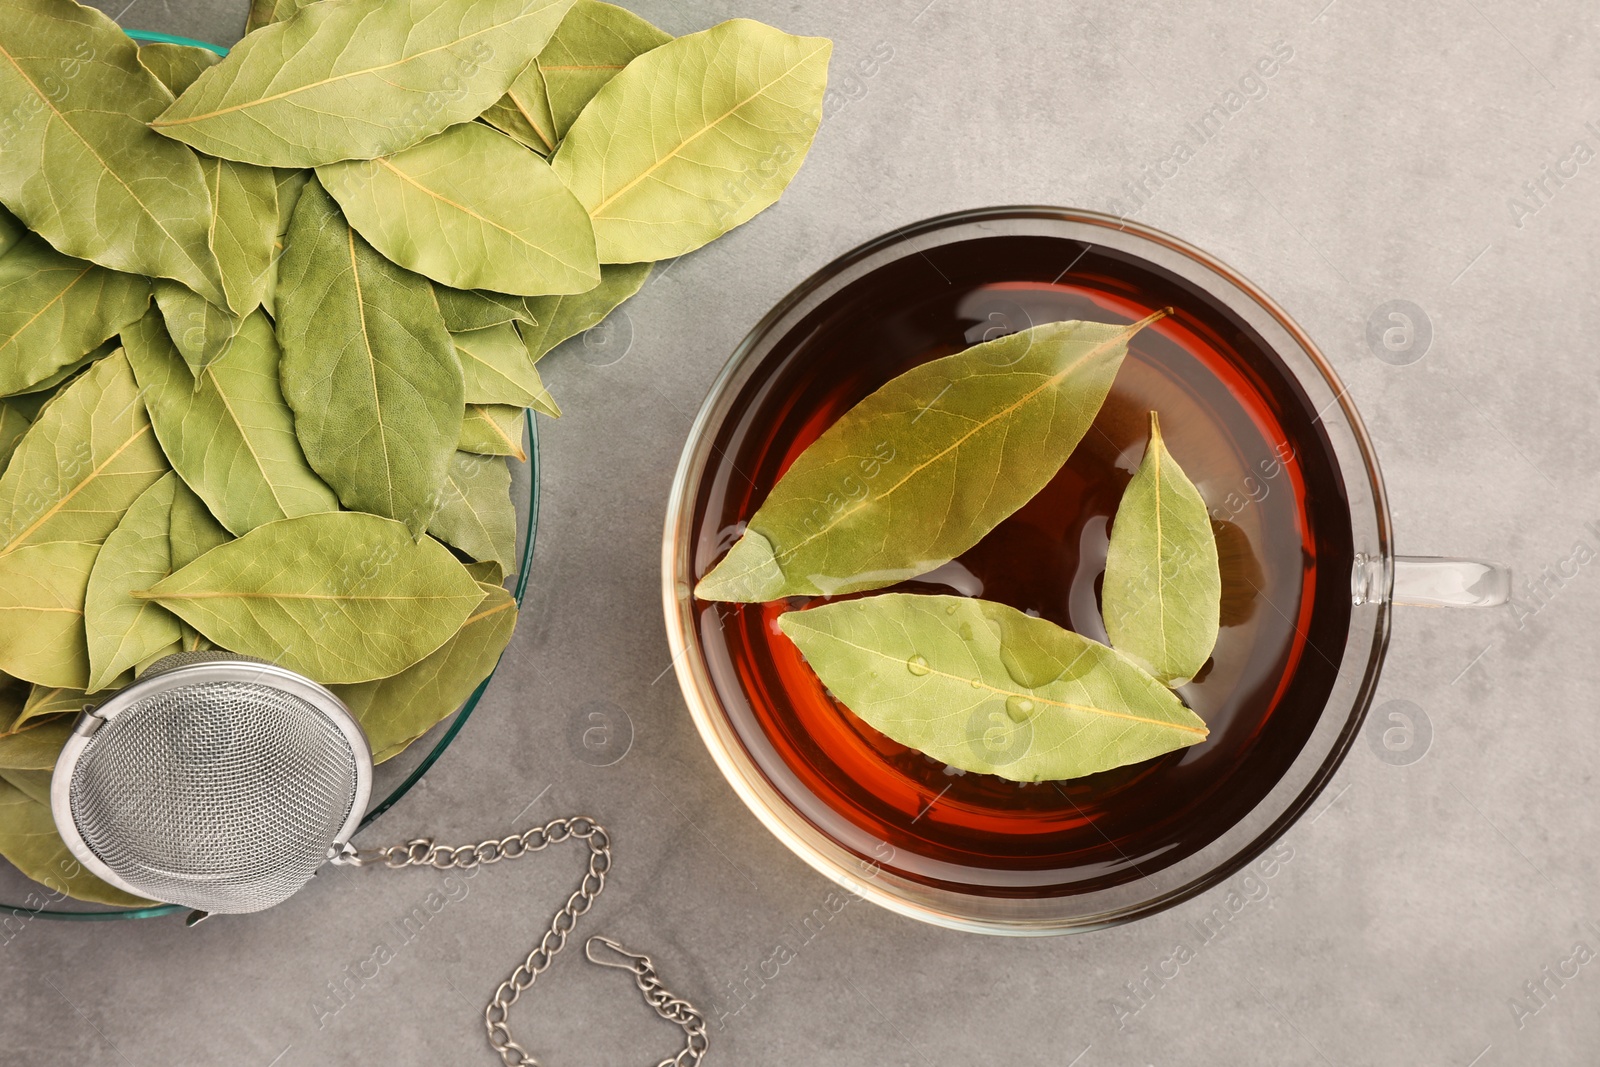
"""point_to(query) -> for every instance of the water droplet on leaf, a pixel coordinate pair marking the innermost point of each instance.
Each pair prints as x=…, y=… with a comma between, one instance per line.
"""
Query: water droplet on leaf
x=917, y=665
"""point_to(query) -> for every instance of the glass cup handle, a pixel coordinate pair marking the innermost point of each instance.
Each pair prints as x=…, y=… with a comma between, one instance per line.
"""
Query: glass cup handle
x=1430, y=582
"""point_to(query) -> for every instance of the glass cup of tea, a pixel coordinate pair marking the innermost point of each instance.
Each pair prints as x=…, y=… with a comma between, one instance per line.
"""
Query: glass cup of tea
x=1262, y=426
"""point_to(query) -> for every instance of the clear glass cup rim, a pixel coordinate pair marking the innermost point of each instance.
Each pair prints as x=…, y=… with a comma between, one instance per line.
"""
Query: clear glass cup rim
x=1338, y=721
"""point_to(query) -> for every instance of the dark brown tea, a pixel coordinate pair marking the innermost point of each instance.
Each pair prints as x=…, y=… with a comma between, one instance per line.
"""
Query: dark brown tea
x=1243, y=431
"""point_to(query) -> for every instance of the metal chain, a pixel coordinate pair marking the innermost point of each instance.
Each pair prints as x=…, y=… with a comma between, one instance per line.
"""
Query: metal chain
x=422, y=852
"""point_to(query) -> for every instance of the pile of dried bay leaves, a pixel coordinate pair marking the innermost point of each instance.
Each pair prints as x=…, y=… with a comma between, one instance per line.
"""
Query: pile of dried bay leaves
x=269, y=326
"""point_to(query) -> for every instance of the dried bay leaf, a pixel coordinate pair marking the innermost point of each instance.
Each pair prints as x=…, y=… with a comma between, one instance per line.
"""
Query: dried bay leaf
x=84, y=170
x=524, y=112
x=244, y=228
x=54, y=310
x=35, y=785
x=341, y=597
x=359, y=79
x=983, y=687
x=229, y=433
x=495, y=369
x=561, y=317
x=176, y=65
x=11, y=231
x=920, y=470
x=475, y=510
x=471, y=209
x=688, y=141
x=290, y=184
x=82, y=463
x=368, y=368
x=42, y=589
x=45, y=700
x=14, y=422
x=1162, y=594
x=266, y=12
x=35, y=744
x=193, y=532
x=123, y=631
x=476, y=309
x=28, y=839
x=395, y=711
x=488, y=430
x=592, y=44
x=201, y=331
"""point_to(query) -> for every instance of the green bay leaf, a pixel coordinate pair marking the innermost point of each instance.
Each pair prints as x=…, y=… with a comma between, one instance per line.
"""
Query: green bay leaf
x=11, y=231
x=176, y=65
x=55, y=310
x=83, y=462
x=368, y=368
x=341, y=597
x=359, y=79
x=985, y=688
x=201, y=331
x=123, y=631
x=590, y=47
x=475, y=510
x=917, y=473
x=495, y=369
x=477, y=309
x=1162, y=594
x=48, y=700
x=35, y=745
x=560, y=317
x=229, y=433
x=14, y=422
x=487, y=430
x=266, y=12
x=471, y=209
x=290, y=184
x=396, y=711
x=42, y=588
x=28, y=839
x=194, y=532
x=524, y=112
x=83, y=169
x=688, y=142
x=244, y=228
x=35, y=785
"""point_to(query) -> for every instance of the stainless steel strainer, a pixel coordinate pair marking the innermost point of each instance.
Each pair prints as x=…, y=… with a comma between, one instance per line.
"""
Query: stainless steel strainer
x=223, y=783
x=215, y=782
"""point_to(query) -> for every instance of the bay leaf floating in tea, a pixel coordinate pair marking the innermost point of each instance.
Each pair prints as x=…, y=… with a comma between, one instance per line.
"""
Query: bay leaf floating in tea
x=358, y=79
x=984, y=688
x=684, y=144
x=1162, y=594
x=917, y=473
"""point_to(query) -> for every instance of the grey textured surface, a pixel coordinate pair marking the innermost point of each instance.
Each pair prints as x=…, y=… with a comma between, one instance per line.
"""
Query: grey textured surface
x=1378, y=163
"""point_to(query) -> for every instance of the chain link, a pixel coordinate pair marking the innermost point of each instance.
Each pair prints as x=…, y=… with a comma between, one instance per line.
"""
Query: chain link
x=422, y=852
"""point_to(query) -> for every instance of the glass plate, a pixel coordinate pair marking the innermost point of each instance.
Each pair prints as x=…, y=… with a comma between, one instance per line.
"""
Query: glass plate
x=392, y=779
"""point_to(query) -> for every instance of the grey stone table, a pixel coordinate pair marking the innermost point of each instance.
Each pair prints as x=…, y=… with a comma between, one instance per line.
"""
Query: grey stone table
x=1434, y=910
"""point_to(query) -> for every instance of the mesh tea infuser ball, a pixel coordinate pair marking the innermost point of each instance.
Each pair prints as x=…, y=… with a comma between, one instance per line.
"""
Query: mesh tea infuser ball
x=223, y=783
